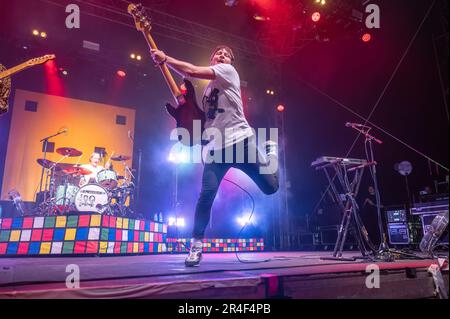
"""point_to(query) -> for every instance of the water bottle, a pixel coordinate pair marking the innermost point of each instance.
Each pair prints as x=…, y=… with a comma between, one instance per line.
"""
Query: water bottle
x=160, y=218
x=155, y=217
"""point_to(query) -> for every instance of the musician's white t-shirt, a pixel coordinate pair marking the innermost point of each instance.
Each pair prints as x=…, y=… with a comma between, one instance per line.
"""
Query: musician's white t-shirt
x=222, y=104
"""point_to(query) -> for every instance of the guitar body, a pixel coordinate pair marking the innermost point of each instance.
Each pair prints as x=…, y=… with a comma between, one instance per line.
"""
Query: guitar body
x=5, y=89
x=185, y=115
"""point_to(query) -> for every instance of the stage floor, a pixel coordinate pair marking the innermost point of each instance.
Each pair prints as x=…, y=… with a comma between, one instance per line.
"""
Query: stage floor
x=221, y=275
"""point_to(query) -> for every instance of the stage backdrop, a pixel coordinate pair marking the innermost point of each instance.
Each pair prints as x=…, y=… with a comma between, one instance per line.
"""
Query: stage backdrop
x=89, y=125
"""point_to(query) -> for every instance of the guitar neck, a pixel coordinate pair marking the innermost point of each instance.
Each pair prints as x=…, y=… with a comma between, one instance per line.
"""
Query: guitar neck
x=165, y=71
x=15, y=69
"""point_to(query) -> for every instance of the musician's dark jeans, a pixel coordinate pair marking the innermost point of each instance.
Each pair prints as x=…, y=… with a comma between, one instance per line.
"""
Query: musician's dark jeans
x=213, y=174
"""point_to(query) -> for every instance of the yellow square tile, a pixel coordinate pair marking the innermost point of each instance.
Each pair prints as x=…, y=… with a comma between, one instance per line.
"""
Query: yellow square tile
x=125, y=223
x=146, y=236
x=15, y=235
x=135, y=247
x=61, y=221
x=70, y=234
x=95, y=220
x=103, y=247
x=119, y=222
x=45, y=248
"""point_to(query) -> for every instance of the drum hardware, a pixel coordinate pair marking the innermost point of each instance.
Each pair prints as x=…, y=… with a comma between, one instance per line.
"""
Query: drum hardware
x=62, y=192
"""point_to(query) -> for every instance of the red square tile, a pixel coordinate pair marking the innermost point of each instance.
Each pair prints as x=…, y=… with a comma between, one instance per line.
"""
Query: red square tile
x=36, y=235
x=129, y=247
x=92, y=247
x=141, y=247
x=47, y=235
x=23, y=248
x=3, y=247
x=105, y=221
x=112, y=221
x=28, y=222
x=80, y=247
x=83, y=221
x=117, y=248
x=6, y=223
x=118, y=234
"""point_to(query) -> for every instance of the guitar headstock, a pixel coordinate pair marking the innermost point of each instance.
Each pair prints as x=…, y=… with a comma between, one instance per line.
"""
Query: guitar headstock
x=41, y=59
x=141, y=20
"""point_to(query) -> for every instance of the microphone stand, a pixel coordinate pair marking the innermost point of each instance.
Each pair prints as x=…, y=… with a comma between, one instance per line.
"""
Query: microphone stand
x=383, y=249
x=45, y=144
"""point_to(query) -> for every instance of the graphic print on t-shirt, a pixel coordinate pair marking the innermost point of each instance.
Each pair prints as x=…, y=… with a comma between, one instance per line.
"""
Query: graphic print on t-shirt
x=213, y=104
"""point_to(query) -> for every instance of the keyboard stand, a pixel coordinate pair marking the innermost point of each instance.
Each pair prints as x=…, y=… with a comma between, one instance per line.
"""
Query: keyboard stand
x=346, y=172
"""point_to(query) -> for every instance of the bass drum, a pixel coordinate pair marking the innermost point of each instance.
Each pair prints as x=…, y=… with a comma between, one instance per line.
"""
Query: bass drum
x=92, y=198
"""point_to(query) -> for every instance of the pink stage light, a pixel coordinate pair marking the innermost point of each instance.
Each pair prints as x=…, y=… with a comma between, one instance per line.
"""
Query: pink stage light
x=315, y=16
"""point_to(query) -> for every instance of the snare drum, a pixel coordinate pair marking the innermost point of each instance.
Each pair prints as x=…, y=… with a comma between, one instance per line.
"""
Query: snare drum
x=107, y=178
x=65, y=194
x=92, y=198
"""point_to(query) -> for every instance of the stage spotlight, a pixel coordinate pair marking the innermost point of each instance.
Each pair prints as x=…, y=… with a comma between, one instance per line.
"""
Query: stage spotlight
x=322, y=2
x=138, y=57
x=133, y=56
x=259, y=17
x=63, y=71
x=366, y=37
x=315, y=16
x=43, y=34
x=179, y=222
x=179, y=155
x=35, y=32
x=280, y=108
x=245, y=219
x=121, y=73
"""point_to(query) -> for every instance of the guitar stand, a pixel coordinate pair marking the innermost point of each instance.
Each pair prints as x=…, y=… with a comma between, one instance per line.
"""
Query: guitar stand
x=349, y=207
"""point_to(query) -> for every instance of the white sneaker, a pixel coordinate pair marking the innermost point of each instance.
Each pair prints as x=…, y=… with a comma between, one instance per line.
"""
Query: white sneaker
x=271, y=148
x=195, y=253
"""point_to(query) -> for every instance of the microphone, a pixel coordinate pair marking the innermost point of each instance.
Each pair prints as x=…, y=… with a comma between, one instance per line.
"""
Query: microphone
x=64, y=130
x=129, y=135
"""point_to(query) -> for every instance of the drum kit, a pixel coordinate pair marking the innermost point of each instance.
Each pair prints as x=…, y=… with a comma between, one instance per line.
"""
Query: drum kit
x=110, y=194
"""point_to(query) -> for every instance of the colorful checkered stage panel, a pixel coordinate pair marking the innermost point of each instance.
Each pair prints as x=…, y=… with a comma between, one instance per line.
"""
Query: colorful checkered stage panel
x=217, y=245
x=80, y=234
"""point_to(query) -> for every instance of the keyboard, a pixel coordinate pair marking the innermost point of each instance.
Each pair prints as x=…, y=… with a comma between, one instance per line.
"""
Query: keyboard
x=331, y=160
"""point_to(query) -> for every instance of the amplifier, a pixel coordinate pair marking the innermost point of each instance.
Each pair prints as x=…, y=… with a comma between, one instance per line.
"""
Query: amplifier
x=396, y=216
x=398, y=233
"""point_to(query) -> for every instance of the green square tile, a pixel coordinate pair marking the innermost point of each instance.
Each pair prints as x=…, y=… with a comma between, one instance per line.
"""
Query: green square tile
x=68, y=247
x=105, y=234
x=123, y=248
x=141, y=236
x=72, y=222
x=4, y=235
x=50, y=222
x=131, y=224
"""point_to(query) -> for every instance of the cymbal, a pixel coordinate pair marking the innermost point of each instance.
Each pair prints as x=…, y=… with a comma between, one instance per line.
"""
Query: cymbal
x=77, y=170
x=68, y=151
x=120, y=158
x=45, y=163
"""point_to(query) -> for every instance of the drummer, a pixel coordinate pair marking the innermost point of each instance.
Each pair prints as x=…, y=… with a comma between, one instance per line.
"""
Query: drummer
x=94, y=167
